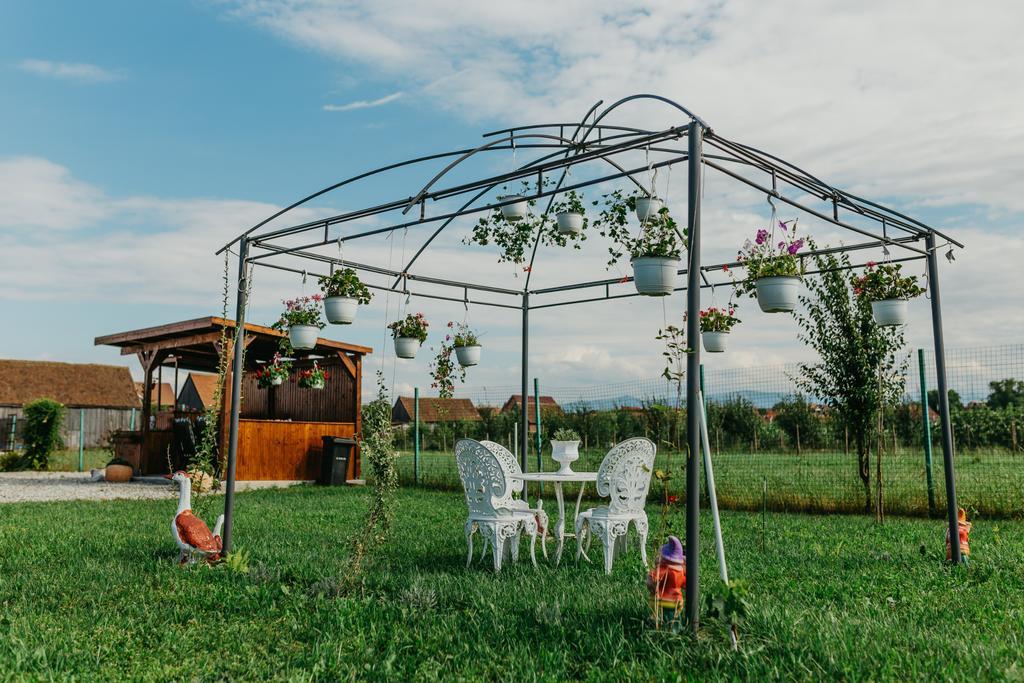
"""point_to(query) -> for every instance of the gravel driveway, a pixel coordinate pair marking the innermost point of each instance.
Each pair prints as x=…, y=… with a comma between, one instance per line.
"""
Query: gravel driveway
x=20, y=487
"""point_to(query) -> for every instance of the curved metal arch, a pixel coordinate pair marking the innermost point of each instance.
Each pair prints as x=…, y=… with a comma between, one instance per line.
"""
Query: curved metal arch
x=643, y=96
x=569, y=148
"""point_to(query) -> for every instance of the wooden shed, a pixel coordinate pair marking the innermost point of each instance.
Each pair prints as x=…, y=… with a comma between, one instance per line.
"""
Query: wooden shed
x=100, y=399
x=280, y=428
x=197, y=393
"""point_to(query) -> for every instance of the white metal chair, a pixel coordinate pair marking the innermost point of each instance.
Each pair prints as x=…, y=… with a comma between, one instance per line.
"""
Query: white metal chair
x=486, y=486
x=625, y=477
x=511, y=466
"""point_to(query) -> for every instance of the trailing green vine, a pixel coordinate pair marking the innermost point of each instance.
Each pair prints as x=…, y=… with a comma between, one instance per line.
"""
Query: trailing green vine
x=378, y=450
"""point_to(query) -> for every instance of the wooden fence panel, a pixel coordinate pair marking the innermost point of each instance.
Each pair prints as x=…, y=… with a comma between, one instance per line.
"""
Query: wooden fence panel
x=287, y=451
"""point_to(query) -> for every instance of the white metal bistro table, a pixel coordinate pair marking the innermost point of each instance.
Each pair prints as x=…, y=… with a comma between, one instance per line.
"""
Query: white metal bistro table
x=558, y=479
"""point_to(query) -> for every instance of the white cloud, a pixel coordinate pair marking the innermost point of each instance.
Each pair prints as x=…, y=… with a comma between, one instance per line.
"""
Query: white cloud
x=37, y=194
x=78, y=72
x=363, y=104
x=888, y=98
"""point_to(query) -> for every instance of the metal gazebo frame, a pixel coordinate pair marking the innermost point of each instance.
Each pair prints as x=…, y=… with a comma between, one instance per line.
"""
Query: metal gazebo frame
x=562, y=146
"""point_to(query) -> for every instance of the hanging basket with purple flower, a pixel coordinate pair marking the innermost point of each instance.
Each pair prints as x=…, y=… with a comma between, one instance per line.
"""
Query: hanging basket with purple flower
x=773, y=266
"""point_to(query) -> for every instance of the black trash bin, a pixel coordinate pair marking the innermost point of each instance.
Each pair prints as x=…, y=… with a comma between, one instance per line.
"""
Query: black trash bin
x=334, y=464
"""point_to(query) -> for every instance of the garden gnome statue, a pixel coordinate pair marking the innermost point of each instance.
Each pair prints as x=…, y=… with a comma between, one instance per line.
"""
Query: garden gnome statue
x=965, y=530
x=667, y=582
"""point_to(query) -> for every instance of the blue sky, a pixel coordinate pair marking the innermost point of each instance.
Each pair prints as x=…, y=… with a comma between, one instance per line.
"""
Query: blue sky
x=139, y=136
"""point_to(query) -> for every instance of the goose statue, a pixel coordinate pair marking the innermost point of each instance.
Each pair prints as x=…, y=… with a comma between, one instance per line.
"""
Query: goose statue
x=191, y=533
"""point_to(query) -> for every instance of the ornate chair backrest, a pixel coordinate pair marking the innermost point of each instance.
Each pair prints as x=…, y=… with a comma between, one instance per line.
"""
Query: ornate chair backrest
x=625, y=475
x=509, y=466
x=483, y=478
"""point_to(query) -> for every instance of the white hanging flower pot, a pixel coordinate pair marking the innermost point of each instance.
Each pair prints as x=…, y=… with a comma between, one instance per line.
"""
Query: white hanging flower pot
x=341, y=310
x=316, y=384
x=889, y=312
x=303, y=337
x=777, y=294
x=714, y=342
x=468, y=355
x=655, y=275
x=565, y=453
x=569, y=222
x=647, y=208
x=515, y=211
x=406, y=347
x=276, y=381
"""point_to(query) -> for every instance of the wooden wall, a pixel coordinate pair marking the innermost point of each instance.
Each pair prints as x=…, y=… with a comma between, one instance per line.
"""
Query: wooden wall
x=338, y=401
x=287, y=451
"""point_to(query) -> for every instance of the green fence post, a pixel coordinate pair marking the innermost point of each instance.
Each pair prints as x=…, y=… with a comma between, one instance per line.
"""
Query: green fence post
x=81, y=439
x=416, y=436
x=536, y=414
x=131, y=425
x=14, y=431
x=927, y=434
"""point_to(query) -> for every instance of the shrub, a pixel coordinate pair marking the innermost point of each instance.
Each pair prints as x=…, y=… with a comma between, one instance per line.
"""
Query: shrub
x=43, y=418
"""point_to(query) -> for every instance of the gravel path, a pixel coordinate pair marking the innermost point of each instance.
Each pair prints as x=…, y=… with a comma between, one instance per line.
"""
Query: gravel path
x=20, y=487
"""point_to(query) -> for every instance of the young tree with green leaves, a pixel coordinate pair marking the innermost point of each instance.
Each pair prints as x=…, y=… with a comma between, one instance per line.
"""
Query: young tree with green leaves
x=857, y=372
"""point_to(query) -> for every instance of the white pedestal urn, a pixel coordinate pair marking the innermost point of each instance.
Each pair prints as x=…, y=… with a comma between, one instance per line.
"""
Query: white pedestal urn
x=303, y=337
x=468, y=355
x=569, y=222
x=888, y=312
x=565, y=453
x=777, y=294
x=341, y=310
x=655, y=275
x=714, y=342
x=515, y=211
x=406, y=347
x=647, y=208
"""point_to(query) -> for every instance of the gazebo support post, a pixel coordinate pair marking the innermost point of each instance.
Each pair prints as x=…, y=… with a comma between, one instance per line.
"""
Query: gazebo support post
x=524, y=413
x=940, y=372
x=694, y=164
x=236, y=391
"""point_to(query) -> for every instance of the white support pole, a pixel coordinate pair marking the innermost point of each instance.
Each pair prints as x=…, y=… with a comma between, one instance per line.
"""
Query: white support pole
x=709, y=472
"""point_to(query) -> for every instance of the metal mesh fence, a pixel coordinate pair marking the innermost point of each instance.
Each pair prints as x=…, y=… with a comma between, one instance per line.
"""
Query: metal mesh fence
x=773, y=447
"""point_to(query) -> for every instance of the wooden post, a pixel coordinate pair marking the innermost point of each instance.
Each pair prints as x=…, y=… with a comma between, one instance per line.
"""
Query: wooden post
x=1013, y=435
x=798, y=440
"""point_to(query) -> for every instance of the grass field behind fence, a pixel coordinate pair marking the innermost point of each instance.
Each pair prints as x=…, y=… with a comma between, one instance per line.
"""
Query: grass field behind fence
x=92, y=591
x=989, y=484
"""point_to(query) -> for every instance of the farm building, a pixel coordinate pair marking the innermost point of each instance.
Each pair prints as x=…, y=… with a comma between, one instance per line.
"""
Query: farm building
x=100, y=399
x=281, y=428
x=197, y=393
x=161, y=394
x=434, y=410
x=547, y=403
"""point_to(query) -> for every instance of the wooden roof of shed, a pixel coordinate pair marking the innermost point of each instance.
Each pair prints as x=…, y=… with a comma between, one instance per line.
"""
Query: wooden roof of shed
x=192, y=342
x=75, y=385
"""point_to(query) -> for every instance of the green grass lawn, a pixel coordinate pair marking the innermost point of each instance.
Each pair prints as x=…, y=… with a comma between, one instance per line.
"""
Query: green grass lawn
x=989, y=484
x=91, y=590
x=67, y=460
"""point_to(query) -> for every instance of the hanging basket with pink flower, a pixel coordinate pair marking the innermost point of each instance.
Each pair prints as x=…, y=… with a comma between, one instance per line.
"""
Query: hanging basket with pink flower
x=409, y=334
x=301, y=318
x=715, y=326
x=773, y=266
x=888, y=291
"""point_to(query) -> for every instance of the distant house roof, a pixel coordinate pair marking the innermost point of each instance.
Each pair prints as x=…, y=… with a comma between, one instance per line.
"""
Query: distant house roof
x=164, y=393
x=435, y=410
x=516, y=400
x=205, y=386
x=73, y=384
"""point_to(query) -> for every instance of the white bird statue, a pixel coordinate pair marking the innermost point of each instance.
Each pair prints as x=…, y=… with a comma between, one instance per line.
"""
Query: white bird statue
x=191, y=533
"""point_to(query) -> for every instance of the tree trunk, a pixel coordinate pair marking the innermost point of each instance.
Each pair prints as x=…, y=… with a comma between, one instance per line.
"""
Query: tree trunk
x=864, y=469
